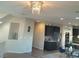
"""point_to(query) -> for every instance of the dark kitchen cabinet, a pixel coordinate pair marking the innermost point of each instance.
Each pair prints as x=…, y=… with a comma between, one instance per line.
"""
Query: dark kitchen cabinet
x=51, y=37
x=49, y=46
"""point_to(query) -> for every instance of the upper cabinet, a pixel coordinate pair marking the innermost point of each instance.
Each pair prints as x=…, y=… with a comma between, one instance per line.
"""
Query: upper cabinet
x=51, y=30
x=76, y=35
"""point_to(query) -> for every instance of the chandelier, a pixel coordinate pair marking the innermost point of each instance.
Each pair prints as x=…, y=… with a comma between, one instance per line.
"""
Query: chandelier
x=36, y=7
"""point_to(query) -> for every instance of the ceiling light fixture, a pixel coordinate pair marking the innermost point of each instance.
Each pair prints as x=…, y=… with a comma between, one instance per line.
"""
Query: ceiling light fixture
x=69, y=23
x=75, y=24
x=61, y=18
x=66, y=26
x=77, y=18
x=78, y=36
x=36, y=6
x=37, y=20
x=1, y=22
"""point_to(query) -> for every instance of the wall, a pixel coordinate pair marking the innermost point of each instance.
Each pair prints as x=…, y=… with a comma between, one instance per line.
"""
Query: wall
x=24, y=42
x=2, y=49
x=39, y=33
x=63, y=31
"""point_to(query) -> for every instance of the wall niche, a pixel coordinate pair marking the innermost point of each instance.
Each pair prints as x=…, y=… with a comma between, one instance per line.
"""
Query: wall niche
x=13, y=32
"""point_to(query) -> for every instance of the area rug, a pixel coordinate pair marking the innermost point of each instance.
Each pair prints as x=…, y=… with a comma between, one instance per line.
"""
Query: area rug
x=55, y=55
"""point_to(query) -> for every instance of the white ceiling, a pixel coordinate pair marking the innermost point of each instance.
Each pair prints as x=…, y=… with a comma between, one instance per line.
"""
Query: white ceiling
x=52, y=13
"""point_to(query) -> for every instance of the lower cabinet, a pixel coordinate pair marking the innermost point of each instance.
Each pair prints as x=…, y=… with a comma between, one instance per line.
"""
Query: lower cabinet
x=49, y=46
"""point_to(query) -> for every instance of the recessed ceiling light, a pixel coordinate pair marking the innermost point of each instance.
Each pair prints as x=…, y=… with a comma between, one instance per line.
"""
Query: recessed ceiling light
x=66, y=26
x=1, y=22
x=1, y=17
x=50, y=24
x=77, y=18
x=76, y=24
x=37, y=20
x=61, y=18
x=69, y=23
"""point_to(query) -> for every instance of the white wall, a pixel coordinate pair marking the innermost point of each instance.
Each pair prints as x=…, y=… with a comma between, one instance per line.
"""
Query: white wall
x=39, y=32
x=24, y=42
x=2, y=49
x=63, y=31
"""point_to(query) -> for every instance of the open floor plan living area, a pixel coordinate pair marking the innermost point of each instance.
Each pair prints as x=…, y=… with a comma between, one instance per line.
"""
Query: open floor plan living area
x=39, y=29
